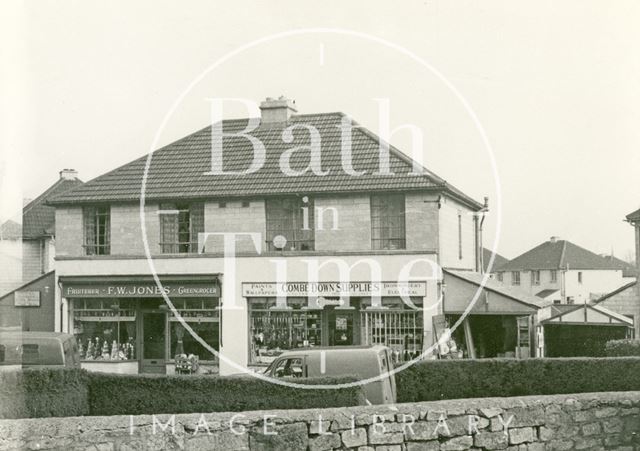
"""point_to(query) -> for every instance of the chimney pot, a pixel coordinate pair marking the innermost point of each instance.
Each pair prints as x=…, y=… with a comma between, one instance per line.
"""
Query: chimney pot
x=68, y=174
x=277, y=111
x=554, y=239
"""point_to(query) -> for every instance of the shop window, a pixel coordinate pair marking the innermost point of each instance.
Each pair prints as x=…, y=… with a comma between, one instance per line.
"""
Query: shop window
x=388, y=221
x=180, y=225
x=535, y=277
x=554, y=276
x=105, y=329
x=274, y=331
x=97, y=234
x=400, y=329
x=202, y=315
x=515, y=278
x=293, y=219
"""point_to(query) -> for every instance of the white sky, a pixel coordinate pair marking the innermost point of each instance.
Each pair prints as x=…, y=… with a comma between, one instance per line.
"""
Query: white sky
x=556, y=85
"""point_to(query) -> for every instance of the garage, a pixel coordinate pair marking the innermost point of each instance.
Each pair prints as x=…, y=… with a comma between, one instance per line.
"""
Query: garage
x=579, y=331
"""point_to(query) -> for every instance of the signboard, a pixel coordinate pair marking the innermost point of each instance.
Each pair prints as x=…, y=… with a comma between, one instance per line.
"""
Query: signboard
x=26, y=299
x=334, y=289
x=140, y=290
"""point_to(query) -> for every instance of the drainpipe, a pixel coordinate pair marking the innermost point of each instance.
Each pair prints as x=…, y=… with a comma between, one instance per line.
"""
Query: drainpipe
x=479, y=244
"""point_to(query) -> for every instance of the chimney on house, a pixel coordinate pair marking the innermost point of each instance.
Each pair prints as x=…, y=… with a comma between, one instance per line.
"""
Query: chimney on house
x=554, y=239
x=68, y=174
x=277, y=111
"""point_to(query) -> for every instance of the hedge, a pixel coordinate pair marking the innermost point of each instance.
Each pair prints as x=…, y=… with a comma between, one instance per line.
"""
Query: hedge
x=119, y=394
x=621, y=348
x=43, y=392
x=455, y=379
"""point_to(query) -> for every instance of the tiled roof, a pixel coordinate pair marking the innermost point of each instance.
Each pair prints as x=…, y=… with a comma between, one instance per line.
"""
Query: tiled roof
x=635, y=216
x=628, y=270
x=179, y=170
x=38, y=218
x=498, y=261
x=559, y=254
x=497, y=287
x=10, y=230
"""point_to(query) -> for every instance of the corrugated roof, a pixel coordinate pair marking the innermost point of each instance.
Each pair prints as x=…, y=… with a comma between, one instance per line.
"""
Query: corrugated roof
x=38, y=218
x=559, y=254
x=179, y=170
x=493, y=285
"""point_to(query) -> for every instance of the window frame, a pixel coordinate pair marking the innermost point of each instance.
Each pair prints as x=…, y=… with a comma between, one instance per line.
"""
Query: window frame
x=554, y=275
x=187, y=220
x=96, y=229
x=284, y=216
x=515, y=277
x=535, y=277
x=382, y=218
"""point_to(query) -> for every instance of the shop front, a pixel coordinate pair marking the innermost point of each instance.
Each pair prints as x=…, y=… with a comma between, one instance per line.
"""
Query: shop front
x=305, y=314
x=123, y=324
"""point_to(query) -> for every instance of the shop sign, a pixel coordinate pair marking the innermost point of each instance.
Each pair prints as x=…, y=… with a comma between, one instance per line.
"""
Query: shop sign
x=334, y=289
x=140, y=290
x=26, y=299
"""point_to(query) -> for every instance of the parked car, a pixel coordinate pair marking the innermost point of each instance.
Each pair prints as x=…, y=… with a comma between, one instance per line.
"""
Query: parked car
x=37, y=349
x=365, y=362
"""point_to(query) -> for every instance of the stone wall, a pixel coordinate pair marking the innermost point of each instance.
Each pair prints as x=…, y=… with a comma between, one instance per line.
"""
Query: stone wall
x=564, y=422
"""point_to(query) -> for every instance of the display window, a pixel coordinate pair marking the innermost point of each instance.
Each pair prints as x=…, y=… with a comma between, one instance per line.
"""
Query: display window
x=105, y=329
x=274, y=330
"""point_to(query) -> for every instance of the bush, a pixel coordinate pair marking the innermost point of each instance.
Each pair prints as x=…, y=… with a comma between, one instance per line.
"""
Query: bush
x=623, y=348
x=118, y=394
x=454, y=379
x=43, y=392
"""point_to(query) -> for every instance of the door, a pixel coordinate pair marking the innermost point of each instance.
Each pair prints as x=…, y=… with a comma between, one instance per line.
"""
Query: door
x=341, y=328
x=154, y=344
x=523, y=350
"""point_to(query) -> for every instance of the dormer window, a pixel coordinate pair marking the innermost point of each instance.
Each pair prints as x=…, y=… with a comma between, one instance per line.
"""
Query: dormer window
x=180, y=224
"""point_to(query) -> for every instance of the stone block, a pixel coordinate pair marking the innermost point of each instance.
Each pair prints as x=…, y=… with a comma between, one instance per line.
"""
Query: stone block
x=521, y=435
x=457, y=443
x=324, y=442
x=591, y=429
x=289, y=437
x=354, y=438
x=491, y=440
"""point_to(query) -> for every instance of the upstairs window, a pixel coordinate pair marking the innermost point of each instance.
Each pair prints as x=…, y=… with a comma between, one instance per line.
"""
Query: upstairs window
x=97, y=234
x=291, y=218
x=554, y=276
x=515, y=278
x=500, y=276
x=387, y=222
x=579, y=276
x=180, y=224
x=535, y=277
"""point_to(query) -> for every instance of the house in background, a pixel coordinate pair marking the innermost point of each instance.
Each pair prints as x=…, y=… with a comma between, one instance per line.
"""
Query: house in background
x=10, y=256
x=562, y=272
x=626, y=299
x=498, y=261
x=38, y=228
x=27, y=251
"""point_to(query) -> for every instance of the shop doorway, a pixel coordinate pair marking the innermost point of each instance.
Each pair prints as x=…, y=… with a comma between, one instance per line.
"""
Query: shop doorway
x=153, y=342
x=341, y=328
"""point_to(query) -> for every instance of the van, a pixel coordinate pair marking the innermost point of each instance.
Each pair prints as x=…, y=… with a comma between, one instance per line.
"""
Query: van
x=365, y=362
x=38, y=349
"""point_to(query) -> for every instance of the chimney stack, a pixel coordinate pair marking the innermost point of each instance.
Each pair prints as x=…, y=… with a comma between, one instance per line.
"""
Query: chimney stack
x=554, y=239
x=68, y=174
x=277, y=111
